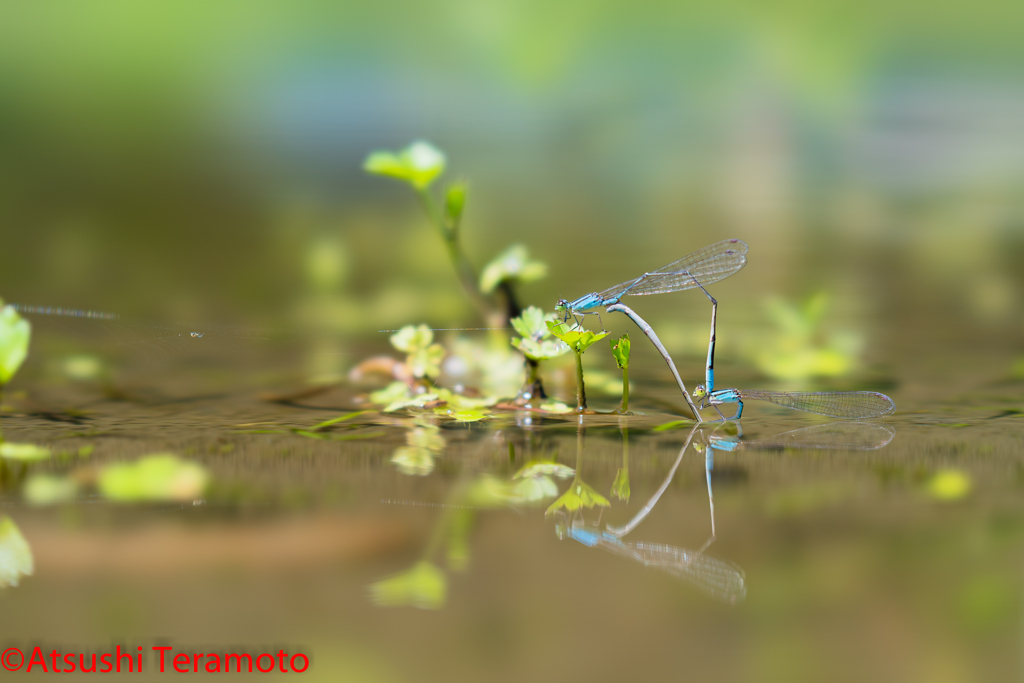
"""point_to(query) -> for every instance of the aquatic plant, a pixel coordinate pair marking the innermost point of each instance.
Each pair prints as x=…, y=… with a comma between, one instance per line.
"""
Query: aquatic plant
x=620, y=350
x=15, y=554
x=419, y=165
x=579, y=340
x=15, y=333
x=537, y=344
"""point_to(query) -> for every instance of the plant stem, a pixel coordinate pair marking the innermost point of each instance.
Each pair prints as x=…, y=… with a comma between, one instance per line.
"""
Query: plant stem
x=581, y=392
x=463, y=269
x=624, y=407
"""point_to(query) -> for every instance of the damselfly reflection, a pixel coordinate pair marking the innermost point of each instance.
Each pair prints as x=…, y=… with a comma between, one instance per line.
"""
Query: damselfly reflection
x=719, y=579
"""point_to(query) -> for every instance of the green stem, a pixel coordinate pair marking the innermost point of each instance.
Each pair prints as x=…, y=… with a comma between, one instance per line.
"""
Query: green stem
x=581, y=392
x=463, y=269
x=625, y=390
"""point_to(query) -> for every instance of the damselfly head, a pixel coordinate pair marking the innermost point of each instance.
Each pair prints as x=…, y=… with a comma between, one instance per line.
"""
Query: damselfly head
x=700, y=391
x=561, y=305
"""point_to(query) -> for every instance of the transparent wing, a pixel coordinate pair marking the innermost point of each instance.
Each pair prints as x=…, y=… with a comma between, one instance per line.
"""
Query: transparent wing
x=844, y=404
x=857, y=436
x=708, y=265
x=719, y=579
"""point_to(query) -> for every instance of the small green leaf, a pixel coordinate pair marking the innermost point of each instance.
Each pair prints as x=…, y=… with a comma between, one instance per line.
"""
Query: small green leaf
x=412, y=338
x=336, y=420
x=460, y=402
x=555, y=407
x=423, y=586
x=530, y=323
x=427, y=362
x=15, y=333
x=620, y=349
x=540, y=350
x=414, y=402
x=418, y=164
x=674, y=424
x=462, y=415
x=15, y=554
x=160, y=477
x=511, y=264
x=455, y=203
x=578, y=339
x=395, y=391
x=25, y=452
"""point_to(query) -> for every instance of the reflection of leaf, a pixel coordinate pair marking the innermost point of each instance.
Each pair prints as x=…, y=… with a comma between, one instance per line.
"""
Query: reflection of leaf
x=579, y=495
x=44, y=489
x=487, y=491
x=423, y=586
x=14, y=337
x=949, y=485
x=458, y=539
x=157, y=477
x=536, y=468
x=26, y=452
x=418, y=164
x=511, y=264
x=533, y=488
x=15, y=554
x=413, y=460
x=620, y=487
x=426, y=436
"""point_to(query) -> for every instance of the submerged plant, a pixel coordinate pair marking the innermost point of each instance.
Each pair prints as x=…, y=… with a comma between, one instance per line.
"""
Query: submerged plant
x=578, y=340
x=620, y=350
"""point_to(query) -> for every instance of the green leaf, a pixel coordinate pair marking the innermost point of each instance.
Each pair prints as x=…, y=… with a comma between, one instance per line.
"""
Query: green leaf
x=455, y=203
x=418, y=164
x=578, y=339
x=15, y=554
x=674, y=424
x=423, y=586
x=511, y=264
x=462, y=415
x=15, y=333
x=530, y=323
x=412, y=338
x=44, y=489
x=534, y=488
x=414, y=402
x=336, y=420
x=460, y=402
x=159, y=477
x=25, y=452
x=620, y=350
x=427, y=362
x=555, y=407
x=391, y=393
x=540, y=350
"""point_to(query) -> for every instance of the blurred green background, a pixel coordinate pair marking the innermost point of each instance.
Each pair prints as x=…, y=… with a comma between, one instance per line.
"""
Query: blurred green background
x=202, y=160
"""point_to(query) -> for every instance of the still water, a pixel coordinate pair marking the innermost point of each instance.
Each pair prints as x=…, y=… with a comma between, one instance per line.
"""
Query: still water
x=391, y=547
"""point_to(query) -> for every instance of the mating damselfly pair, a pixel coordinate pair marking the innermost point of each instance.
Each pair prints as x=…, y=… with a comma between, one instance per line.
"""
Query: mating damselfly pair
x=697, y=270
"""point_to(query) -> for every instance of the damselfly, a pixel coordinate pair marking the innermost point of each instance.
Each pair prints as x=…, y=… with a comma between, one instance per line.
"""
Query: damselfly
x=703, y=267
